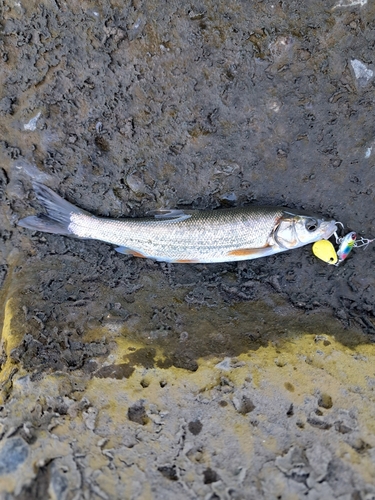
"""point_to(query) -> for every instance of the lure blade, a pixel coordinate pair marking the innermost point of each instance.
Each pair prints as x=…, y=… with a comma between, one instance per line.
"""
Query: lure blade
x=325, y=251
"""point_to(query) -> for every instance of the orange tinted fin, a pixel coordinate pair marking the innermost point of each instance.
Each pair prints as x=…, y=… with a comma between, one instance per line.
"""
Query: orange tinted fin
x=137, y=254
x=129, y=251
x=243, y=252
x=186, y=261
x=252, y=253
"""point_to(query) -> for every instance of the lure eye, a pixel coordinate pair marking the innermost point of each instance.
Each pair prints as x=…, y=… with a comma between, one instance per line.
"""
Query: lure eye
x=311, y=225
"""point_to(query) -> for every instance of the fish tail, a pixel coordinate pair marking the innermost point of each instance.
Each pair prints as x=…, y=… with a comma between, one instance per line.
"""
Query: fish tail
x=58, y=214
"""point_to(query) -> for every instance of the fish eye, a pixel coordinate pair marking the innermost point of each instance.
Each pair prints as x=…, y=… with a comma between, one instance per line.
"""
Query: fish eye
x=311, y=225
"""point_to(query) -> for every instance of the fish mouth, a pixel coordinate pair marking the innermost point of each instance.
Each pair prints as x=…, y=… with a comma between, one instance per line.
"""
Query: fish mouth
x=329, y=229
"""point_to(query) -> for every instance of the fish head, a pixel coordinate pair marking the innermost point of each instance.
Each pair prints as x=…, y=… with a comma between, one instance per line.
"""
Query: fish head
x=297, y=230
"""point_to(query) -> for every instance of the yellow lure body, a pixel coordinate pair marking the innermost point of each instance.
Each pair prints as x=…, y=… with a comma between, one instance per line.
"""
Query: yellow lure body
x=324, y=250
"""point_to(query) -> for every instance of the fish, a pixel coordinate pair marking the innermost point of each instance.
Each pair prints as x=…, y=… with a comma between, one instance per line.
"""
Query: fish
x=185, y=236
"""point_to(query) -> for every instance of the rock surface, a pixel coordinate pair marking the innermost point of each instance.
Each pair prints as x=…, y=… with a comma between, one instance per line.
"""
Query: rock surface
x=126, y=378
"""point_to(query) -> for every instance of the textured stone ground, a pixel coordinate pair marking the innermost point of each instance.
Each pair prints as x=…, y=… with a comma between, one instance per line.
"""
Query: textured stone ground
x=126, y=378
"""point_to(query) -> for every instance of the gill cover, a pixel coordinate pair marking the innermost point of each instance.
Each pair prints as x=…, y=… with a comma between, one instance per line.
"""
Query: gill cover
x=285, y=233
x=297, y=230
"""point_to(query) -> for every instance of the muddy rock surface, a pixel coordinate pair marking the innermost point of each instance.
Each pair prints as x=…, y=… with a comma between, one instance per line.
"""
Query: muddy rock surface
x=128, y=378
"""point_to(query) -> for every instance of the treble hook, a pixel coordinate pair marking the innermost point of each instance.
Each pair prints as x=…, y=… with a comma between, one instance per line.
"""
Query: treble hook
x=363, y=242
x=337, y=237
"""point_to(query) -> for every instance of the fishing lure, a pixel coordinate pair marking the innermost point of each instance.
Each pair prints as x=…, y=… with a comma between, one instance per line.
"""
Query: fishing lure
x=347, y=243
x=363, y=242
x=325, y=250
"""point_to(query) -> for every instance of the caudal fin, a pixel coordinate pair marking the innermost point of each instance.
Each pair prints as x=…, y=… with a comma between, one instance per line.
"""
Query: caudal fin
x=58, y=216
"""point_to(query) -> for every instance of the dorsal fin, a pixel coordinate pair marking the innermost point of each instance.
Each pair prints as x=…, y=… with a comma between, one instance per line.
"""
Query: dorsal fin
x=165, y=214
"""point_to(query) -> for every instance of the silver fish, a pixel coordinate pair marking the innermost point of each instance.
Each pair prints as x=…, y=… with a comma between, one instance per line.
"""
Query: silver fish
x=186, y=236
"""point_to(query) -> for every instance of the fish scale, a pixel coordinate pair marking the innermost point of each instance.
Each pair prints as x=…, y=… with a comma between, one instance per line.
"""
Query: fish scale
x=185, y=235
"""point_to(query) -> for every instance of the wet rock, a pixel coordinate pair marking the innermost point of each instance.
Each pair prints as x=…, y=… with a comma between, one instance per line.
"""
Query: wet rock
x=13, y=453
x=89, y=417
x=362, y=73
x=185, y=361
x=137, y=413
x=136, y=184
x=102, y=143
x=28, y=433
x=319, y=458
x=294, y=464
x=120, y=371
x=325, y=401
x=195, y=106
x=3, y=185
x=290, y=411
x=39, y=486
x=59, y=484
x=195, y=427
x=169, y=471
x=243, y=404
x=210, y=476
x=319, y=421
x=6, y=105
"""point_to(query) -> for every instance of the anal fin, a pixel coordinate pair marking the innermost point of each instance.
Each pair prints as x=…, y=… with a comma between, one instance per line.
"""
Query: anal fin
x=129, y=251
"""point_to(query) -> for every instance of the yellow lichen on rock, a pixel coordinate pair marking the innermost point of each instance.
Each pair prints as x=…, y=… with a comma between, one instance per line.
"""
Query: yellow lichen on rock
x=10, y=339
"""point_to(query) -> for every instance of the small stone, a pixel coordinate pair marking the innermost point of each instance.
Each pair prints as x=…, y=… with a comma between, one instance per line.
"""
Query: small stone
x=304, y=55
x=243, y=405
x=169, y=471
x=136, y=184
x=210, y=476
x=127, y=128
x=89, y=418
x=325, y=401
x=361, y=72
x=101, y=143
x=335, y=162
x=6, y=106
x=137, y=414
x=195, y=427
x=281, y=153
x=13, y=453
x=342, y=428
